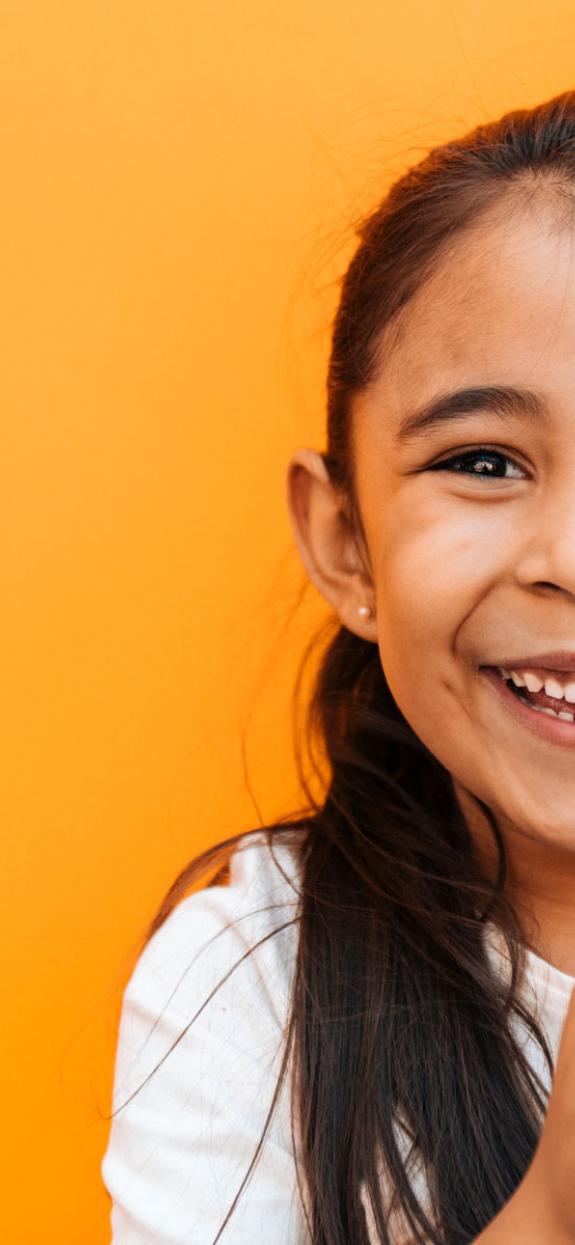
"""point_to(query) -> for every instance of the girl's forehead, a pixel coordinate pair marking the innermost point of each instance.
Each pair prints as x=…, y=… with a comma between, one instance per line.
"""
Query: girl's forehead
x=498, y=308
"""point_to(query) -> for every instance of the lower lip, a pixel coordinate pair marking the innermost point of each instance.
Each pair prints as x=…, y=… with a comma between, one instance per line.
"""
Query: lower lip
x=555, y=730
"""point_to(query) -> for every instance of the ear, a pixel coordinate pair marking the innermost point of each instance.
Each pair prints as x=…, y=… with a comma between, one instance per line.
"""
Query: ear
x=328, y=548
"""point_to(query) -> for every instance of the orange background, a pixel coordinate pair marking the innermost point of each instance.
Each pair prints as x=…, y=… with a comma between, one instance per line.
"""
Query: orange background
x=179, y=182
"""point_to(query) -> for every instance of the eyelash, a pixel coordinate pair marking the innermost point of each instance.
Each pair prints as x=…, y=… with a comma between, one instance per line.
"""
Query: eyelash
x=480, y=451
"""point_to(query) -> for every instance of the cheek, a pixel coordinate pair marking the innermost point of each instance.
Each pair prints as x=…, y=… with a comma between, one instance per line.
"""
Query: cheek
x=432, y=575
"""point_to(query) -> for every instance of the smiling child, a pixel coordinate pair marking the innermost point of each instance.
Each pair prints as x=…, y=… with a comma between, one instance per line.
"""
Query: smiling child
x=351, y=1035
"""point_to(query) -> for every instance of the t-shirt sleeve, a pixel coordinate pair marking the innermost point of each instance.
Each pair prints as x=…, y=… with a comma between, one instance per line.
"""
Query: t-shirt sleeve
x=195, y=1076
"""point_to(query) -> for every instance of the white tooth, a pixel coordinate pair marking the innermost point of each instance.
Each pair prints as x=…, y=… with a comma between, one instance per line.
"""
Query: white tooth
x=553, y=688
x=533, y=684
x=506, y=675
x=518, y=681
x=568, y=717
x=569, y=693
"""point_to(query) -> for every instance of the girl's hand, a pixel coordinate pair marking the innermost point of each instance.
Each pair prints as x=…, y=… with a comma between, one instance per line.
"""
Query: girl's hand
x=547, y=1191
x=542, y=1209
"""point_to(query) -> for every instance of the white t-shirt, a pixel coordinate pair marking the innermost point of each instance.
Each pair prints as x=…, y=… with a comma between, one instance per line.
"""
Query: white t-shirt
x=179, y=1148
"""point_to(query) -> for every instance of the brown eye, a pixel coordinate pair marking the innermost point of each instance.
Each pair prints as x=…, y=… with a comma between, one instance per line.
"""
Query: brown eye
x=485, y=464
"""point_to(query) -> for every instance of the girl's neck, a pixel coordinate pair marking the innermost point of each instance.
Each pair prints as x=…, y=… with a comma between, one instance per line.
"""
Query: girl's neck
x=540, y=884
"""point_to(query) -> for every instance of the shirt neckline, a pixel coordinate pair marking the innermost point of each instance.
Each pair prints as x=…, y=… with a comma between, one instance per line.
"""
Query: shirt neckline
x=554, y=978
x=539, y=970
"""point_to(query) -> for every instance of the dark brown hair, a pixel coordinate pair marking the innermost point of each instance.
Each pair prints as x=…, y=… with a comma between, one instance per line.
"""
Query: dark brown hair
x=397, y=1013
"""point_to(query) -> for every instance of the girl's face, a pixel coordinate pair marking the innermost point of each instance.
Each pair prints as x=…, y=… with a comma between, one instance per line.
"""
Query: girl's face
x=472, y=550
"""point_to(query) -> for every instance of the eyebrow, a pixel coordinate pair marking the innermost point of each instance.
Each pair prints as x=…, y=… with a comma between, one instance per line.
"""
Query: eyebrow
x=501, y=400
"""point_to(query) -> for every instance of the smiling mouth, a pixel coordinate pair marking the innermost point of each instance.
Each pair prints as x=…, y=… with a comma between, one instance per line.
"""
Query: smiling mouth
x=552, y=722
x=539, y=702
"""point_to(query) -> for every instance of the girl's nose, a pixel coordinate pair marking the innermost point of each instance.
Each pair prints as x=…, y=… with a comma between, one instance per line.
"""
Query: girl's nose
x=545, y=557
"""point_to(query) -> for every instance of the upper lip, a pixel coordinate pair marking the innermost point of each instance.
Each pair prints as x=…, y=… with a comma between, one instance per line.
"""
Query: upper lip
x=561, y=660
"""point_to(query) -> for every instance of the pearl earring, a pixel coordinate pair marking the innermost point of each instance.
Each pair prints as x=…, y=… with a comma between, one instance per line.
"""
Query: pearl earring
x=365, y=611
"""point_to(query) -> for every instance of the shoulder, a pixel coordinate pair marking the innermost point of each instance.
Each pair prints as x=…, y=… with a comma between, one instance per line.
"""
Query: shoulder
x=223, y=959
x=197, y=1062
